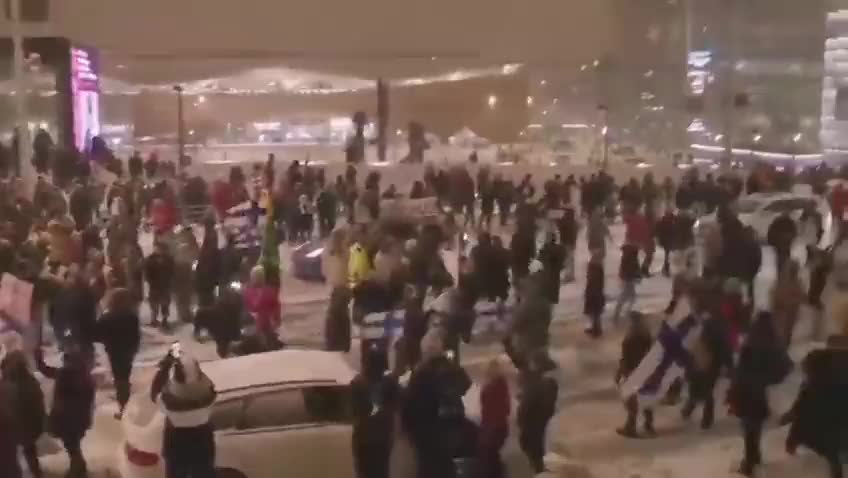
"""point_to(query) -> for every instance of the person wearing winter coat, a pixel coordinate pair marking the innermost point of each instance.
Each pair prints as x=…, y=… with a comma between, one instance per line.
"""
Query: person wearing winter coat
x=597, y=232
x=787, y=295
x=635, y=346
x=327, y=205
x=263, y=303
x=811, y=229
x=752, y=260
x=536, y=406
x=10, y=430
x=119, y=330
x=594, y=296
x=818, y=417
x=76, y=309
x=223, y=319
x=185, y=395
x=630, y=273
x=495, y=404
x=522, y=250
x=159, y=273
x=71, y=414
x=568, y=229
x=375, y=402
x=781, y=236
x=433, y=413
x=29, y=406
x=711, y=355
x=208, y=270
x=762, y=363
x=664, y=234
x=500, y=269
x=81, y=206
x=186, y=254
x=552, y=257
x=820, y=263
x=528, y=335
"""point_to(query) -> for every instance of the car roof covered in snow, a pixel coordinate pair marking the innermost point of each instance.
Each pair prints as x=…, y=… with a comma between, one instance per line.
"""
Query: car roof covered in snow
x=280, y=367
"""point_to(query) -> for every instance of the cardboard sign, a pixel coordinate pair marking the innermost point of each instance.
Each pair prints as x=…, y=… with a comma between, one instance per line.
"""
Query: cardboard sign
x=15, y=300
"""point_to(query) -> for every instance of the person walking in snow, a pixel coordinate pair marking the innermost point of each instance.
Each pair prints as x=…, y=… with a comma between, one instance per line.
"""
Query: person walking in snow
x=594, y=297
x=537, y=405
x=159, y=273
x=495, y=404
x=630, y=274
x=29, y=406
x=71, y=414
x=781, y=236
x=375, y=401
x=119, y=330
x=762, y=363
x=787, y=295
x=634, y=348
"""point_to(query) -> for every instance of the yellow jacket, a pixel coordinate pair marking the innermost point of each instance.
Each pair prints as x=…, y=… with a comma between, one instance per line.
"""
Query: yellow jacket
x=358, y=266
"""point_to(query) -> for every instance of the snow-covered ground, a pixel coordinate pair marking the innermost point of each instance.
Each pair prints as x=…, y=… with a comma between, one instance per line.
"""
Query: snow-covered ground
x=582, y=433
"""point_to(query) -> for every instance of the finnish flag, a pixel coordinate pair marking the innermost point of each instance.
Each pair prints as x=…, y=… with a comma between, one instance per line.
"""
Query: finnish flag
x=382, y=325
x=666, y=362
x=244, y=221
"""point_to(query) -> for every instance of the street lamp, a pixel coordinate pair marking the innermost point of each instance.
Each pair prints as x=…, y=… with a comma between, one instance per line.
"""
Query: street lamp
x=180, y=126
x=604, y=111
x=795, y=140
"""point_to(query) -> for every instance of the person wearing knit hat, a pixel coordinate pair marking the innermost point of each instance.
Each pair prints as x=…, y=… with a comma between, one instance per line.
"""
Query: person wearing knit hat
x=186, y=395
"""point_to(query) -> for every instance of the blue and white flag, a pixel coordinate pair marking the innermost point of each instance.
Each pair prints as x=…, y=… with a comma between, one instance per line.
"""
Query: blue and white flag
x=667, y=361
x=382, y=325
x=245, y=222
x=492, y=316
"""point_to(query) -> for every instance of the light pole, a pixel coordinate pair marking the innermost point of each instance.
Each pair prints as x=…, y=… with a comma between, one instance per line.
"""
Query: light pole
x=604, y=111
x=757, y=138
x=180, y=126
x=19, y=85
x=795, y=140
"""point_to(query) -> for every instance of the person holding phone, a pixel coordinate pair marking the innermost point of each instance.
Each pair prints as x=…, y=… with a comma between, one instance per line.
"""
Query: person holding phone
x=186, y=395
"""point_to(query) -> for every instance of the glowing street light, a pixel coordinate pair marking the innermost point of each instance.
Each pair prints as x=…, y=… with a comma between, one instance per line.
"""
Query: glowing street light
x=492, y=101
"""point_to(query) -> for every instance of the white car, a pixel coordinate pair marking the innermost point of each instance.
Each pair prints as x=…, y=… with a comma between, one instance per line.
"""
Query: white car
x=276, y=411
x=286, y=410
x=760, y=210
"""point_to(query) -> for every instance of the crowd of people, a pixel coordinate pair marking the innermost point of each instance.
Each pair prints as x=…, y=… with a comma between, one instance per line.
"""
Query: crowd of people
x=78, y=242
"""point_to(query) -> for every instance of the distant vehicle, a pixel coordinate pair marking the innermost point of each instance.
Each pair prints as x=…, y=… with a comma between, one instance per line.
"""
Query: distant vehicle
x=276, y=411
x=760, y=210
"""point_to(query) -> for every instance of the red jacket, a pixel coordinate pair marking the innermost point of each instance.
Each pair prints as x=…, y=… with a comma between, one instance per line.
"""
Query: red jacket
x=495, y=403
x=263, y=303
x=164, y=217
x=637, y=230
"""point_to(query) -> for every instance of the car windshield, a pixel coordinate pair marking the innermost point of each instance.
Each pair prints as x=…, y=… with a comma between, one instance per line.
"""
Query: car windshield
x=748, y=205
